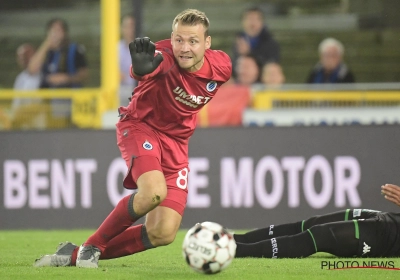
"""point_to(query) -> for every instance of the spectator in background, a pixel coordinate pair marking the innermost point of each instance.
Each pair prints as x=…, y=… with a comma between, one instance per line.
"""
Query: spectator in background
x=255, y=39
x=226, y=108
x=248, y=70
x=330, y=68
x=127, y=84
x=272, y=75
x=26, y=80
x=26, y=113
x=62, y=65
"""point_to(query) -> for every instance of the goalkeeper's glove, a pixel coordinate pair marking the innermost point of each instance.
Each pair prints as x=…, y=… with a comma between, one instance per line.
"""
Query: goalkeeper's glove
x=142, y=54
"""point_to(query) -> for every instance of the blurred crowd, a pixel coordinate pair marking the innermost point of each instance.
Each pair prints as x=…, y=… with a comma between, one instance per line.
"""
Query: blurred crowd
x=256, y=56
x=59, y=62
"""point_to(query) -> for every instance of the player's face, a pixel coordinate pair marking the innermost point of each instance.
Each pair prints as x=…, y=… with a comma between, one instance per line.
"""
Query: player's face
x=189, y=45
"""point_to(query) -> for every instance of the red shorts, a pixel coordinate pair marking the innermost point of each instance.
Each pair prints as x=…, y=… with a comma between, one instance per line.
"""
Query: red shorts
x=145, y=149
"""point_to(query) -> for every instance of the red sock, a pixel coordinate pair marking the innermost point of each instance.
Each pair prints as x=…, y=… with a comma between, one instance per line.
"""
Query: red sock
x=74, y=255
x=117, y=221
x=131, y=241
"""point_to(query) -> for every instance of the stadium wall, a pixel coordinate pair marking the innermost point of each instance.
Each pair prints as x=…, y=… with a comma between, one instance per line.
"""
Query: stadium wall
x=240, y=177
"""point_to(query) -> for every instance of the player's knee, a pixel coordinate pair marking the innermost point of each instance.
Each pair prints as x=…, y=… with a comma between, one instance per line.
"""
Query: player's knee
x=318, y=230
x=336, y=238
x=323, y=236
x=165, y=239
x=159, y=237
x=148, y=198
x=152, y=186
x=148, y=201
x=156, y=195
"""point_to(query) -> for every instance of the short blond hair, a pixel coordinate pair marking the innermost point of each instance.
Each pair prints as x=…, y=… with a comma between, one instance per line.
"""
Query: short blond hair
x=192, y=17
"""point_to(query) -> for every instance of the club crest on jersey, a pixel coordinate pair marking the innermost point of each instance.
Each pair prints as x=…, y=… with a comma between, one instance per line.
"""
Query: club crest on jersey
x=147, y=145
x=211, y=86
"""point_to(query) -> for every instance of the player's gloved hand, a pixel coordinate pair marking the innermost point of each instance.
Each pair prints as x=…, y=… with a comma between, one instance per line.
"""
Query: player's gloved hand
x=142, y=53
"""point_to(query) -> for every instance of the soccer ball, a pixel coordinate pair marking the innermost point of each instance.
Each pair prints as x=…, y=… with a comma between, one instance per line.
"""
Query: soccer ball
x=208, y=247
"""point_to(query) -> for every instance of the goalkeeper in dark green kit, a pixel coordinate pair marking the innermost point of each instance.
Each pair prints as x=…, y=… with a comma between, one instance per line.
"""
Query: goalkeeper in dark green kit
x=348, y=233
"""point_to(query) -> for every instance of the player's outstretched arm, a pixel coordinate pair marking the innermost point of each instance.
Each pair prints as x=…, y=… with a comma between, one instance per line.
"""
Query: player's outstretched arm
x=142, y=54
x=392, y=193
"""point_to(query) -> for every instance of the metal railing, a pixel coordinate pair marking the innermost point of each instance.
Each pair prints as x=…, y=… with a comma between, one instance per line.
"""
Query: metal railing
x=312, y=96
x=48, y=109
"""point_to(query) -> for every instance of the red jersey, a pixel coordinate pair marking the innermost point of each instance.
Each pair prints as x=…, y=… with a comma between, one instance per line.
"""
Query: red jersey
x=169, y=98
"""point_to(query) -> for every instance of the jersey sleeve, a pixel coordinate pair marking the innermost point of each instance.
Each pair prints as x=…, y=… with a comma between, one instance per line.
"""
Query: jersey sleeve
x=221, y=64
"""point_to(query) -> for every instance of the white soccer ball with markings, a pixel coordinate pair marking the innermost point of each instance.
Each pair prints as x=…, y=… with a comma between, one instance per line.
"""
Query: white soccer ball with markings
x=208, y=248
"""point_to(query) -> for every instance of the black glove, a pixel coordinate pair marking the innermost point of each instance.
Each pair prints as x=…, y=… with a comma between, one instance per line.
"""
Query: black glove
x=142, y=53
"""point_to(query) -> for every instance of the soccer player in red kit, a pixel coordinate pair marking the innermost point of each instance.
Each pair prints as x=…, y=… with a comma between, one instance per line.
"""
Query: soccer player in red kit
x=177, y=77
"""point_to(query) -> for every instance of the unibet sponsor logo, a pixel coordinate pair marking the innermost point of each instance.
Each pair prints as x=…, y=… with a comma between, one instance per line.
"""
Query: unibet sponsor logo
x=189, y=99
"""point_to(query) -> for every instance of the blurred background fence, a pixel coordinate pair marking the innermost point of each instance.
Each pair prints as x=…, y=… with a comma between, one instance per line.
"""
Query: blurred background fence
x=369, y=29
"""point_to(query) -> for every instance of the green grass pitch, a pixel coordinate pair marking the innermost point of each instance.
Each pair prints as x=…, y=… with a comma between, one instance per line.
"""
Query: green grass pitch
x=19, y=249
